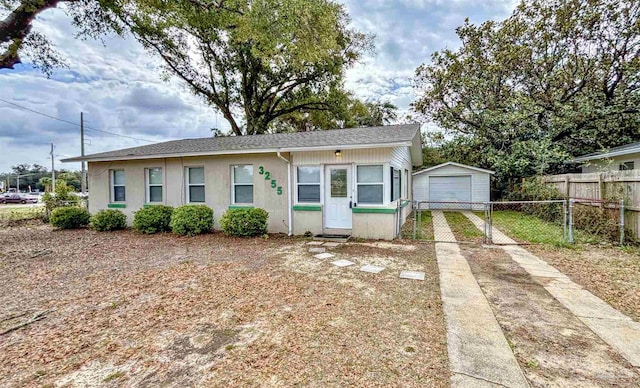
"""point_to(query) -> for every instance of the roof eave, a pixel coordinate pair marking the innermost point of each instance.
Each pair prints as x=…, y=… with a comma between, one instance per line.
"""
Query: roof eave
x=454, y=164
x=89, y=158
x=605, y=155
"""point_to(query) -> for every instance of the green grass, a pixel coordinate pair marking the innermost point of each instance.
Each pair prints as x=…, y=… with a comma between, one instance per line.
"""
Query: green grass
x=462, y=226
x=21, y=213
x=113, y=376
x=424, y=231
x=529, y=228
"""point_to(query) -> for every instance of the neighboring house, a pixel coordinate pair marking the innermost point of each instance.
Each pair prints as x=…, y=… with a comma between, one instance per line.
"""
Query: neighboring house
x=347, y=181
x=457, y=184
x=626, y=157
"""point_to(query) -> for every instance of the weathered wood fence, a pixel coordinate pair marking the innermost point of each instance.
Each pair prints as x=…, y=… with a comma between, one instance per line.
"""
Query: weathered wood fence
x=609, y=186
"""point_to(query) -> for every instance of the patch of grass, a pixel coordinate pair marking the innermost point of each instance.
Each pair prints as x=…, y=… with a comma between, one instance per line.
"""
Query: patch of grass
x=21, y=213
x=113, y=376
x=532, y=364
x=424, y=229
x=462, y=227
x=229, y=347
x=40, y=373
x=529, y=228
x=409, y=349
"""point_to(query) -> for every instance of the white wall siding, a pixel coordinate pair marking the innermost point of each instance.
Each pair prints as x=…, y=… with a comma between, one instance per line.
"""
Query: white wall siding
x=400, y=157
x=612, y=164
x=365, y=155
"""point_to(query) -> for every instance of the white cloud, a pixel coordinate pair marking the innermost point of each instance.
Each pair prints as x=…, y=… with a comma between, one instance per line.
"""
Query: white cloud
x=120, y=88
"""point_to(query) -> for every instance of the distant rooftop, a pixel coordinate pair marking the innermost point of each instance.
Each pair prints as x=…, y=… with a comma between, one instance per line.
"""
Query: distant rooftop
x=385, y=136
x=626, y=149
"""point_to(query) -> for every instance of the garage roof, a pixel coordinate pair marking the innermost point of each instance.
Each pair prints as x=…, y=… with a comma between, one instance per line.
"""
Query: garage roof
x=478, y=169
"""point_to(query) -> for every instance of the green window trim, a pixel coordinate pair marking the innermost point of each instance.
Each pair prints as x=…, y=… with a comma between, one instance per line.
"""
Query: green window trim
x=379, y=210
x=152, y=204
x=117, y=205
x=240, y=207
x=308, y=208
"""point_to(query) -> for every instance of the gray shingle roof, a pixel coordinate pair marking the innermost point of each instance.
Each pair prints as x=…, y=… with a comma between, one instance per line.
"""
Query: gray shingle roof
x=337, y=138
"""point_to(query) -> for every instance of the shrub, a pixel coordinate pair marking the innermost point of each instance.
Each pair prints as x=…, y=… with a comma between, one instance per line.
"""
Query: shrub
x=108, y=220
x=153, y=219
x=244, y=222
x=71, y=217
x=63, y=196
x=190, y=220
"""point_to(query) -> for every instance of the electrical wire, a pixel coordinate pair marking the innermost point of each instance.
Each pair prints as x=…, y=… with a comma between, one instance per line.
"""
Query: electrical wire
x=87, y=128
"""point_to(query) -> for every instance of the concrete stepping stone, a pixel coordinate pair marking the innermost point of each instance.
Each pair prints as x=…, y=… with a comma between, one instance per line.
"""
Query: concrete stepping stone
x=413, y=275
x=342, y=263
x=323, y=256
x=331, y=244
x=315, y=243
x=371, y=268
x=317, y=250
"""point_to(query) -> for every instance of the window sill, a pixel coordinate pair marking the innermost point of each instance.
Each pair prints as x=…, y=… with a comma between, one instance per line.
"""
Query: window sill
x=369, y=209
x=240, y=206
x=152, y=204
x=308, y=208
x=117, y=205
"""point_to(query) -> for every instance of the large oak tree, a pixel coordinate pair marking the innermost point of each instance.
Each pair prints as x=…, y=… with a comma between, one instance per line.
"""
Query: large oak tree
x=557, y=78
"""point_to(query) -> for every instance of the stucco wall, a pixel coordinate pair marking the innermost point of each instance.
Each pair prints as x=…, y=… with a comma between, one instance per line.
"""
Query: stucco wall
x=217, y=184
x=374, y=226
x=304, y=221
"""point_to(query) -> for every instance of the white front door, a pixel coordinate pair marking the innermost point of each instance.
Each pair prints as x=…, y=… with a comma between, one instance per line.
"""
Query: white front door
x=337, y=212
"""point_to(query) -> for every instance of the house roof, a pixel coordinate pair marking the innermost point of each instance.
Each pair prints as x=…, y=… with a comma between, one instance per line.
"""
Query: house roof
x=626, y=149
x=369, y=137
x=456, y=165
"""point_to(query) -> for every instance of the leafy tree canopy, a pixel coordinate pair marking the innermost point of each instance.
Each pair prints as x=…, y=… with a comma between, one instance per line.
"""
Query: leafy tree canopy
x=555, y=79
x=254, y=61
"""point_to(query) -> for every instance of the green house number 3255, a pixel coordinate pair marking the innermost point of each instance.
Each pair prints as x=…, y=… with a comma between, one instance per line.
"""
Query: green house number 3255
x=267, y=177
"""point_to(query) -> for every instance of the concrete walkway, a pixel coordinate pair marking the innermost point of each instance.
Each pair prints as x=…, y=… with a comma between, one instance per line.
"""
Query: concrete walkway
x=478, y=351
x=613, y=327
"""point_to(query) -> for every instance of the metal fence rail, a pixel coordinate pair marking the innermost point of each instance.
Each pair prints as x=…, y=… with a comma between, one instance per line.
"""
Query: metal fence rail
x=523, y=222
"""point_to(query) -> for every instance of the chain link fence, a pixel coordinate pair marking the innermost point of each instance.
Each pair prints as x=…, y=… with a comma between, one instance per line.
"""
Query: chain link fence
x=554, y=222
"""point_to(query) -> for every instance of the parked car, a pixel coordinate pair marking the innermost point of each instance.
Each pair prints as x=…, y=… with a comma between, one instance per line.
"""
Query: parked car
x=18, y=198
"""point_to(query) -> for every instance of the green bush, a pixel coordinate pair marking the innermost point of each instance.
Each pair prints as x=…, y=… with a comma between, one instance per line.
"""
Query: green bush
x=190, y=220
x=108, y=220
x=71, y=217
x=153, y=219
x=244, y=222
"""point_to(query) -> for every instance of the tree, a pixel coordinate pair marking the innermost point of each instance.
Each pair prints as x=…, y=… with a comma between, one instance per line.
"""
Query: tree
x=348, y=112
x=557, y=78
x=253, y=61
x=17, y=38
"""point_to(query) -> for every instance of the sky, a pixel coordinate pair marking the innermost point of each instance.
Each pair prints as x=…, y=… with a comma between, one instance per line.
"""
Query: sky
x=121, y=89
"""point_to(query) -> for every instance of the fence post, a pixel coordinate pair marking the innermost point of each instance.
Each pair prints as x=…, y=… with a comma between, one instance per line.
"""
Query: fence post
x=622, y=222
x=564, y=220
x=486, y=223
x=571, y=220
x=415, y=217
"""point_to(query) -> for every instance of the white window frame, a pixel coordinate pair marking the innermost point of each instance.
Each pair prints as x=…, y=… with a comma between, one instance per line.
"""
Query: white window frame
x=319, y=184
x=399, y=170
x=233, y=184
x=187, y=171
x=385, y=177
x=623, y=165
x=149, y=185
x=112, y=183
x=405, y=184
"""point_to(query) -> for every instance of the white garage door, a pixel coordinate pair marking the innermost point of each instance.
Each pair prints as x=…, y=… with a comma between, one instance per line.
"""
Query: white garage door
x=450, y=189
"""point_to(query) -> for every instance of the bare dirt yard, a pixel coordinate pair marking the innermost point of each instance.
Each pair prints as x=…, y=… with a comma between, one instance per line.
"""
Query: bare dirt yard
x=127, y=309
x=553, y=347
x=611, y=273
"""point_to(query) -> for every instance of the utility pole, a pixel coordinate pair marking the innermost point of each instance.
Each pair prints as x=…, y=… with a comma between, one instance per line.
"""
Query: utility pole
x=83, y=184
x=53, y=172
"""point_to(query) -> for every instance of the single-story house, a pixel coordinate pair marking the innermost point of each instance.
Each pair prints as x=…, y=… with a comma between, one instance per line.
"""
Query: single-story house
x=452, y=185
x=626, y=157
x=345, y=181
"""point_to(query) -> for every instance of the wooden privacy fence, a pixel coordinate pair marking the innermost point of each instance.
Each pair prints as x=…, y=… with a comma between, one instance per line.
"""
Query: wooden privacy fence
x=604, y=186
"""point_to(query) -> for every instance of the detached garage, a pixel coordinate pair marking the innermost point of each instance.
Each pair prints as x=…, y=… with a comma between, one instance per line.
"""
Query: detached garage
x=452, y=182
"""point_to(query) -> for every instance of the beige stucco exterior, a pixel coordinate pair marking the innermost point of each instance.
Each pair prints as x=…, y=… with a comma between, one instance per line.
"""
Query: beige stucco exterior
x=368, y=221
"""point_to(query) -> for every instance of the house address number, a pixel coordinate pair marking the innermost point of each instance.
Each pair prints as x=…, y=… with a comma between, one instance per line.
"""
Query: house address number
x=267, y=177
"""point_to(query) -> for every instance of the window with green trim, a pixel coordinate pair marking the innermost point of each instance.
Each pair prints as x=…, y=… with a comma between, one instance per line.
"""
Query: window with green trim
x=154, y=184
x=195, y=184
x=242, y=182
x=118, y=191
x=308, y=184
x=370, y=183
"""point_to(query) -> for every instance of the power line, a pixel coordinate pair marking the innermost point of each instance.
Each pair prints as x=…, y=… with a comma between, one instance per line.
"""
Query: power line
x=72, y=123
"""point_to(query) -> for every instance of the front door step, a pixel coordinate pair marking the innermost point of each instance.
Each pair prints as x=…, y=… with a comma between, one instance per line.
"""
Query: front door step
x=339, y=238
